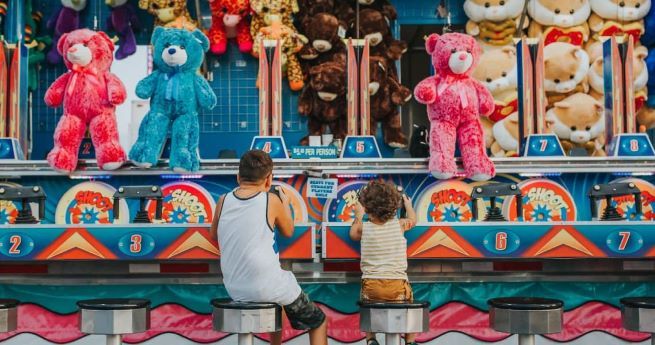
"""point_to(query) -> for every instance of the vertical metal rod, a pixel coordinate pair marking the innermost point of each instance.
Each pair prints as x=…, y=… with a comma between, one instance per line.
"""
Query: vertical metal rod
x=526, y=339
x=114, y=339
x=392, y=339
x=652, y=339
x=246, y=339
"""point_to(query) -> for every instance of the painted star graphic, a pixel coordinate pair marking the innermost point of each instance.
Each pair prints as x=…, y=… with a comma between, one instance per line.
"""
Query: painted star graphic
x=541, y=213
x=179, y=216
x=451, y=214
x=4, y=217
x=630, y=212
x=89, y=216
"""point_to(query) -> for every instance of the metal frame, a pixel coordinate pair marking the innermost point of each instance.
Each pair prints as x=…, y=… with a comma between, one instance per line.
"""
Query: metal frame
x=529, y=166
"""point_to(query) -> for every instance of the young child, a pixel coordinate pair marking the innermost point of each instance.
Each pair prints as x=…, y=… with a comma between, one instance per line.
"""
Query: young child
x=244, y=223
x=384, y=247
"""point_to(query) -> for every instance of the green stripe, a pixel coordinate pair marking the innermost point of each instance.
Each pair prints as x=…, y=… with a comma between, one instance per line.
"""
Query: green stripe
x=341, y=297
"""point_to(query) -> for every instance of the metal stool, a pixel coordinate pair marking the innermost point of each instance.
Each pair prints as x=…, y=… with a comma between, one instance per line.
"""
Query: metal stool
x=638, y=314
x=8, y=315
x=114, y=317
x=246, y=319
x=394, y=318
x=526, y=316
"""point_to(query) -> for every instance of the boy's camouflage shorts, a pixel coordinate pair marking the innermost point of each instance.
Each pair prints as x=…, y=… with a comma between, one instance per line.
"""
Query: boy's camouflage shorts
x=303, y=314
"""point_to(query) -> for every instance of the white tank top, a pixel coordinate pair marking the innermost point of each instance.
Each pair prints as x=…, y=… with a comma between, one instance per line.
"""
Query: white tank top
x=249, y=259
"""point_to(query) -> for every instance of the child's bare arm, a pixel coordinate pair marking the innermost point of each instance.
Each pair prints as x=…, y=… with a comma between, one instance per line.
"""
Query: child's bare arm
x=280, y=211
x=213, y=230
x=358, y=225
x=409, y=221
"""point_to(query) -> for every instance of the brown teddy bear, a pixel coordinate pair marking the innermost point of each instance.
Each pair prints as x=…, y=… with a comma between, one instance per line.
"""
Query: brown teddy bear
x=383, y=6
x=375, y=28
x=340, y=9
x=324, y=42
x=386, y=95
x=323, y=100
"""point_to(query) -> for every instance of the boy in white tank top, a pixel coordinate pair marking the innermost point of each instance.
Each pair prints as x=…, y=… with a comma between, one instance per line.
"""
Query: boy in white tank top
x=383, y=246
x=244, y=223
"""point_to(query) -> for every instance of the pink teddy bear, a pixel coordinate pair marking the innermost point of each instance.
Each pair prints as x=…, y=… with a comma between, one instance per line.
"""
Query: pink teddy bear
x=455, y=101
x=89, y=94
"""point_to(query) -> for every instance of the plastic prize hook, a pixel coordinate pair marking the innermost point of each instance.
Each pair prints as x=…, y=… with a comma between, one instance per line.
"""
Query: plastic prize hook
x=493, y=191
x=25, y=195
x=609, y=191
x=142, y=193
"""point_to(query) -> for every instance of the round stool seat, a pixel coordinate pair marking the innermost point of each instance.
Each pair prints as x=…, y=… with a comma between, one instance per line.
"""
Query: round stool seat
x=114, y=316
x=526, y=315
x=113, y=304
x=394, y=317
x=8, y=303
x=638, y=314
x=525, y=303
x=8, y=315
x=393, y=305
x=246, y=317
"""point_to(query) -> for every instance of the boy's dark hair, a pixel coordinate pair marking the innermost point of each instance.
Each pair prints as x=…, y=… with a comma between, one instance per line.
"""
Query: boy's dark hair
x=255, y=166
x=381, y=200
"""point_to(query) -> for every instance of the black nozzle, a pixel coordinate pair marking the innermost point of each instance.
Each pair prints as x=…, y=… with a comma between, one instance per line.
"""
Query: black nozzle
x=142, y=193
x=493, y=191
x=25, y=195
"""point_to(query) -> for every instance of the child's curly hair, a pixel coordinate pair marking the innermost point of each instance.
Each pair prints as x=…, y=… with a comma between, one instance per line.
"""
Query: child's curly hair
x=381, y=200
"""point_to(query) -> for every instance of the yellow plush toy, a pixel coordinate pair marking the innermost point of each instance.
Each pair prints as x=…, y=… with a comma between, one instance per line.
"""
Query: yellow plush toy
x=565, y=71
x=559, y=20
x=169, y=13
x=578, y=121
x=497, y=71
x=494, y=22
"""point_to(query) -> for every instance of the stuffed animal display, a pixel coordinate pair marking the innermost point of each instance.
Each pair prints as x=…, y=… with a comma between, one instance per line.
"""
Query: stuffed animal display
x=455, y=101
x=323, y=101
x=291, y=42
x=579, y=123
x=326, y=23
x=265, y=12
x=274, y=20
x=169, y=13
x=494, y=22
x=63, y=21
x=89, y=94
x=386, y=95
x=565, y=71
x=123, y=20
x=559, y=21
x=612, y=18
x=3, y=15
x=37, y=43
x=230, y=20
x=176, y=93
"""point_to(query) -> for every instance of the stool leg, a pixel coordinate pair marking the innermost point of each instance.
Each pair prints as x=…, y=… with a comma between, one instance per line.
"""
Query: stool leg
x=246, y=339
x=114, y=339
x=526, y=339
x=392, y=339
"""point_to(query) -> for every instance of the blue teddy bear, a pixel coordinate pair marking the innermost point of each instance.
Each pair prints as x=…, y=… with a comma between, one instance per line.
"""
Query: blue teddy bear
x=176, y=92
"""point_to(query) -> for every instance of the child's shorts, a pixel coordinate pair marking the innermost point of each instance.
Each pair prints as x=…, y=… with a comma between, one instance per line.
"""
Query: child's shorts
x=303, y=314
x=386, y=290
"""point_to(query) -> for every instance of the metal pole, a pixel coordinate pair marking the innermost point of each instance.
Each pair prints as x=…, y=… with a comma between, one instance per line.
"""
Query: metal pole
x=392, y=339
x=246, y=339
x=652, y=339
x=526, y=339
x=114, y=339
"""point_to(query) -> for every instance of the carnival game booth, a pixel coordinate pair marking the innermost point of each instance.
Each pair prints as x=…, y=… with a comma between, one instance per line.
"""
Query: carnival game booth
x=566, y=211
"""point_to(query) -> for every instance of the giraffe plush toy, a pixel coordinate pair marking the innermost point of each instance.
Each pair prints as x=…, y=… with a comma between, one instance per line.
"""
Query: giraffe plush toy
x=230, y=19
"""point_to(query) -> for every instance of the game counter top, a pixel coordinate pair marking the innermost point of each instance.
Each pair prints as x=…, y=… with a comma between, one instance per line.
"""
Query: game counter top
x=325, y=167
x=428, y=241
